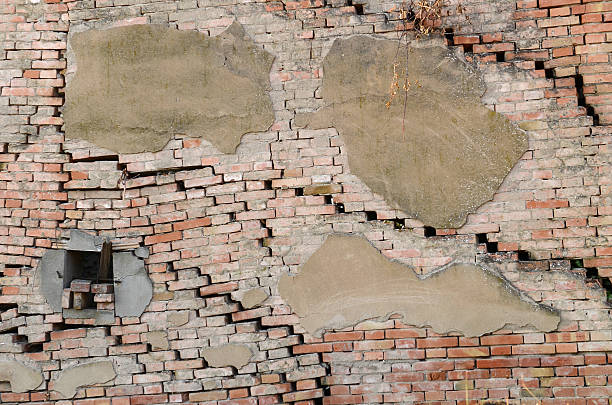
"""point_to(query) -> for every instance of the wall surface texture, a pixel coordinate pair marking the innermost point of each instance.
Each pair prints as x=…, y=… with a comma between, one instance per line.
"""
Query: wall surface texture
x=313, y=228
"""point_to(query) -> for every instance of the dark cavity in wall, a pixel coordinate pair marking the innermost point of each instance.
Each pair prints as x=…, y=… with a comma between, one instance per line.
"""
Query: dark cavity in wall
x=358, y=7
x=592, y=274
x=579, y=81
x=450, y=36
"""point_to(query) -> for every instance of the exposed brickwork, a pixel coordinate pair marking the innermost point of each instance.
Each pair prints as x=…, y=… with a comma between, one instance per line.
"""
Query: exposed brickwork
x=219, y=224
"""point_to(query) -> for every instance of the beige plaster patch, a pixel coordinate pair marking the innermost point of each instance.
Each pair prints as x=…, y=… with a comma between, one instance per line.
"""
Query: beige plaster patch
x=450, y=153
x=137, y=86
x=234, y=355
x=21, y=378
x=254, y=297
x=348, y=280
x=83, y=375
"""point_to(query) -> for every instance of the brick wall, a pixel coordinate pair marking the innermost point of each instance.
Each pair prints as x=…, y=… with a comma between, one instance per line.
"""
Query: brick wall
x=218, y=224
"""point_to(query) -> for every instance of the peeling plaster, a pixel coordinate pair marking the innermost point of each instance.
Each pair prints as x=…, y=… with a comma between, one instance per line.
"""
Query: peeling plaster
x=137, y=86
x=348, y=280
x=83, y=375
x=21, y=378
x=449, y=155
x=234, y=355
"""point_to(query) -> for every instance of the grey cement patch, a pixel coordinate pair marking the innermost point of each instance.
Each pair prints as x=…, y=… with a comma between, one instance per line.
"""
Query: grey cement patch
x=51, y=269
x=348, y=280
x=83, y=375
x=254, y=297
x=450, y=154
x=142, y=252
x=137, y=86
x=133, y=287
x=234, y=355
x=21, y=378
x=85, y=242
x=100, y=317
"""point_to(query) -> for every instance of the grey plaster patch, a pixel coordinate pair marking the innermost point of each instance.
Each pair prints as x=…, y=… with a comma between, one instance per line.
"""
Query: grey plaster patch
x=51, y=269
x=142, y=252
x=254, y=297
x=85, y=242
x=234, y=355
x=83, y=375
x=348, y=280
x=100, y=317
x=137, y=86
x=133, y=287
x=21, y=377
x=448, y=155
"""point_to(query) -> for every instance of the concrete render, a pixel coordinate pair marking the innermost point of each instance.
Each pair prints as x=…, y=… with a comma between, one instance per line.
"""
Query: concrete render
x=436, y=152
x=83, y=375
x=21, y=377
x=137, y=86
x=348, y=281
x=133, y=287
x=234, y=355
x=51, y=270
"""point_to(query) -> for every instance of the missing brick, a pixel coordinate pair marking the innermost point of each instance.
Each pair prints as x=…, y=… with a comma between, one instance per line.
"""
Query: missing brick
x=468, y=48
x=340, y=208
x=500, y=56
x=358, y=7
x=523, y=255
x=450, y=36
x=590, y=111
x=371, y=215
x=492, y=247
x=429, y=231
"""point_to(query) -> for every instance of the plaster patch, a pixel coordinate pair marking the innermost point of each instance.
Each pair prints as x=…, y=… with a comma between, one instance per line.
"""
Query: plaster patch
x=133, y=287
x=136, y=86
x=158, y=340
x=176, y=319
x=83, y=375
x=450, y=154
x=227, y=355
x=348, y=280
x=254, y=297
x=51, y=269
x=21, y=378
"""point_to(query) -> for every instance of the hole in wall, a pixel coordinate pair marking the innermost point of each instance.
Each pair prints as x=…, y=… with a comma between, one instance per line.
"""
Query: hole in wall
x=579, y=81
x=429, y=231
x=539, y=65
x=340, y=208
x=523, y=255
x=468, y=48
x=371, y=215
x=500, y=56
x=450, y=36
x=492, y=247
